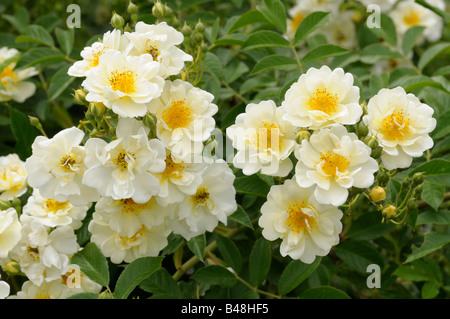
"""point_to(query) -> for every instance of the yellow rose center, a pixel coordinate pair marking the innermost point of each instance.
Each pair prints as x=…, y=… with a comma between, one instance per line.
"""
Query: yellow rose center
x=123, y=159
x=396, y=125
x=201, y=196
x=178, y=115
x=54, y=206
x=122, y=81
x=130, y=206
x=152, y=49
x=411, y=19
x=297, y=219
x=324, y=101
x=173, y=169
x=268, y=137
x=67, y=163
x=333, y=163
x=94, y=60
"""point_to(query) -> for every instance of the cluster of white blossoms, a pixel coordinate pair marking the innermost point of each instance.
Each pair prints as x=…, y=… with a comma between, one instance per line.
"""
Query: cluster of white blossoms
x=318, y=109
x=12, y=84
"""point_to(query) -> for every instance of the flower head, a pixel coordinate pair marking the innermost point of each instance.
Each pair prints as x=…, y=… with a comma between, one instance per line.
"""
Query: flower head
x=306, y=227
x=10, y=228
x=322, y=97
x=263, y=139
x=334, y=160
x=401, y=124
x=13, y=177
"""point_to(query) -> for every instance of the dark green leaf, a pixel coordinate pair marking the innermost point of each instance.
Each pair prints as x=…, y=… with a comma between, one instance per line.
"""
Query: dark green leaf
x=412, y=273
x=368, y=226
x=19, y=20
x=376, y=52
x=275, y=13
x=23, y=132
x=92, y=263
x=36, y=33
x=59, y=82
x=359, y=255
x=214, y=66
x=215, y=275
x=241, y=217
x=39, y=55
x=441, y=217
x=84, y=295
x=433, y=194
x=412, y=35
x=249, y=17
x=274, y=62
x=294, y=274
x=323, y=52
x=431, y=53
x=309, y=24
x=430, y=290
x=265, y=38
x=432, y=168
x=251, y=185
x=161, y=285
x=387, y=30
x=134, y=274
x=432, y=242
x=230, y=253
x=65, y=39
x=197, y=245
x=324, y=292
x=259, y=262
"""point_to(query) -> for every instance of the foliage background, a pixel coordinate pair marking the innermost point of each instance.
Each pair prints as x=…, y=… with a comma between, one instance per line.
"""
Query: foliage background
x=242, y=64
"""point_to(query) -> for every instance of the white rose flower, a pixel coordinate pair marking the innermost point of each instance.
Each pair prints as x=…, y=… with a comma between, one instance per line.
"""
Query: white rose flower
x=185, y=118
x=77, y=282
x=10, y=228
x=178, y=180
x=13, y=177
x=322, y=97
x=113, y=228
x=401, y=124
x=125, y=84
x=54, y=289
x=125, y=167
x=4, y=289
x=160, y=42
x=43, y=255
x=263, y=140
x=306, y=227
x=52, y=213
x=213, y=202
x=56, y=167
x=13, y=87
x=112, y=40
x=341, y=30
x=334, y=160
x=408, y=13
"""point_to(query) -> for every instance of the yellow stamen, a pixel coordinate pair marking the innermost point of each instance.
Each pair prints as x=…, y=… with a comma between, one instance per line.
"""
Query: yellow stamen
x=130, y=206
x=122, y=160
x=54, y=206
x=178, y=115
x=174, y=170
x=152, y=50
x=324, y=101
x=333, y=163
x=268, y=137
x=67, y=163
x=396, y=125
x=412, y=19
x=122, y=81
x=297, y=219
x=201, y=196
x=94, y=60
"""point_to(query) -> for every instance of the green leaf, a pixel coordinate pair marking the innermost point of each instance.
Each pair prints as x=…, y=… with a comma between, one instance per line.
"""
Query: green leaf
x=264, y=39
x=433, y=194
x=241, y=217
x=215, y=275
x=37, y=34
x=39, y=55
x=430, y=290
x=19, y=20
x=275, y=13
x=249, y=17
x=415, y=82
x=59, y=82
x=441, y=217
x=412, y=35
x=309, y=24
x=232, y=39
x=65, y=39
x=251, y=185
x=84, y=295
x=134, y=274
x=161, y=285
x=432, y=242
x=92, y=263
x=412, y=273
x=230, y=253
x=234, y=70
x=259, y=262
x=324, y=292
x=214, y=66
x=431, y=53
x=359, y=255
x=294, y=274
x=23, y=132
x=197, y=245
x=186, y=4
x=323, y=52
x=368, y=226
x=387, y=30
x=375, y=52
x=275, y=61
x=434, y=167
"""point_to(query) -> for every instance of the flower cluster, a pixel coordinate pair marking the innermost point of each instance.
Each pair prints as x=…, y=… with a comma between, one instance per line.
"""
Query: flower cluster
x=314, y=123
x=143, y=180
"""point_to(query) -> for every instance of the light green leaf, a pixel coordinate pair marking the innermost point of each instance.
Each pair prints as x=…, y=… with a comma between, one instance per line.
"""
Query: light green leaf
x=59, y=82
x=324, y=292
x=431, y=53
x=247, y=18
x=215, y=275
x=39, y=55
x=241, y=217
x=259, y=262
x=441, y=217
x=234, y=70
x=433, y=194
x=432, y=242
x=434, y=167
x=430, y=290
x=323, y=52
x=232, y=39
x=134, y=274
x=264, y=39
x=186, y=4
x=251, y=185
x=294, y=274
x=197, y=245
x=387, y=30
x=412, y=273
x=230, y=253
x=415, y=82
x=275, y=13
x=275, y=61
x=92, y=263
x=214, y=66
x=36, y=33
x=412, y=35
x=309, y=24
x=375, y=52
x=65, y=39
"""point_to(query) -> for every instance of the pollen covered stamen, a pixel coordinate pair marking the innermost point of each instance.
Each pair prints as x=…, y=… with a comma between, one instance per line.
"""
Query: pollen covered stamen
x=297, y=220
x=152, y=49
x=122, y=81
x=94, y=60
x=412, y=19
x=268, y=137
x=123, y=159
x=396, y=125
x=173, y=169
x=333, y=163
x=67, y=163
x=201, y=196
x=324, y=101
x=130, y=206
x=178, y=115
x=54, y=206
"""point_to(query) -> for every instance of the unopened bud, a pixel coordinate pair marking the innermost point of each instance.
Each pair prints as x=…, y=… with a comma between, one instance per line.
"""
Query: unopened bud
x=376, y=153
x=418, y=191
x=389, y=212
x=363, y=130
x=417, y=179
x=12, y=268
x=378, y=194
x=161, y=11
x=383, y=178
x=186, y=30
x=150, y=120
x=412, y=205
x=200, y=27
x=97, y=108
x=4, y=204
x=117, y=21
x=80, y=97
x=198, y=37
x=373, y=144
x=132, y=8
x=303, y=135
